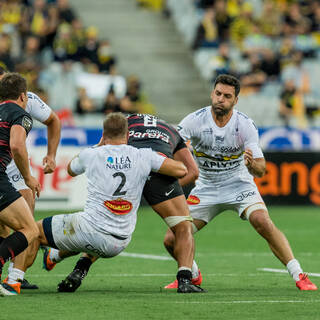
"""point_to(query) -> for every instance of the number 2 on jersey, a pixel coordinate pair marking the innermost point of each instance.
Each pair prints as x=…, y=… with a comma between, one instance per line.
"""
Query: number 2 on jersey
x=118, y=191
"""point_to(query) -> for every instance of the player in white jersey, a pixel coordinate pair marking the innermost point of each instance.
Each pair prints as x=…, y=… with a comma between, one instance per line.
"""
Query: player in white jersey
x=44, y=114
x=116, y=176
x=226, y=146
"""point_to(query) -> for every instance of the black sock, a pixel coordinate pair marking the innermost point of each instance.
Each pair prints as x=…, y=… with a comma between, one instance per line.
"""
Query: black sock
x=12, y=246
x=184, y=274
x=83, y=264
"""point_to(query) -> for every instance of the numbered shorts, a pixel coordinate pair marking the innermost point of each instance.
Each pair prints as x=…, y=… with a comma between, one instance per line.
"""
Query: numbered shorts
x=15, y=176
x=207, y=201
x=8, y=194
x=159, y=188
x=71, y=232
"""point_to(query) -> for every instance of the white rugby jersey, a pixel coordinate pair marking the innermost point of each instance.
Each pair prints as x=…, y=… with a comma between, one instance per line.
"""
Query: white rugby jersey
x=219, y=151
x=116, y=176
x=37, y=108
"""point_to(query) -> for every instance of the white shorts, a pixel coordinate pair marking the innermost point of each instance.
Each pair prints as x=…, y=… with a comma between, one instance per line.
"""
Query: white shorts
x=71, y=232
x=15, y=177
x=207, y=201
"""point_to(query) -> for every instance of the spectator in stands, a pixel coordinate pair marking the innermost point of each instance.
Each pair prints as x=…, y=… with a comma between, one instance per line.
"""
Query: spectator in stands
x=52, y=25
x=105, y=59
x=221, y=63
x=207, y=32
x=89, y=51
x=270, y=64
x=255, y=78
x=31, y=56
x=6, y=60
x=111, y=102
x=270, y=18
x=242, y=25
x=84, y=105
x=223, y=20
x=65, y=12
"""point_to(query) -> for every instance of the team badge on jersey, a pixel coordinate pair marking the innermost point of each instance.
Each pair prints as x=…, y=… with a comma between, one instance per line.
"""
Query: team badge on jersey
x=26, y=123
x=192, y=200
x=118, y=206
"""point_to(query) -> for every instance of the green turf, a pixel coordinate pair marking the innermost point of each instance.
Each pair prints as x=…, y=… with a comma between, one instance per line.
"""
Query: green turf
x=229, y=253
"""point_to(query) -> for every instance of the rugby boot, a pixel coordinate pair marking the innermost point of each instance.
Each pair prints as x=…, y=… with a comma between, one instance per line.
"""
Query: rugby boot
x=72, y=282
x=186, y=286
x=48, y=264
x=25, y=284
x=7, y=289
x=174, y=285
x=304, y=283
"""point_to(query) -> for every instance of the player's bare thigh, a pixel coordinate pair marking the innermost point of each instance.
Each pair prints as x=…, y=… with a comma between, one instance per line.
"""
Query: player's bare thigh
x=173, y=207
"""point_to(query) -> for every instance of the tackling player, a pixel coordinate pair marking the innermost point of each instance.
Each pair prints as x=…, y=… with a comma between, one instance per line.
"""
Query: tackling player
x=42, y=112
x=163, y=193
x=226, y=146
x=116, y=176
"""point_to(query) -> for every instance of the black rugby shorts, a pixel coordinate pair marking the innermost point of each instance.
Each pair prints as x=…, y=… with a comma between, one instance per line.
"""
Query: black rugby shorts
x=8, y=193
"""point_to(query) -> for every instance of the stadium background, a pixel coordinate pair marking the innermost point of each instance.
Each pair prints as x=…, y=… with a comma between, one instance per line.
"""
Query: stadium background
x=88, y=58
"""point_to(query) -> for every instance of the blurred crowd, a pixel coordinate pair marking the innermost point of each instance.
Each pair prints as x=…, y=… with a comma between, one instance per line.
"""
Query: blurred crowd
x=64, y=62
x=263, y=42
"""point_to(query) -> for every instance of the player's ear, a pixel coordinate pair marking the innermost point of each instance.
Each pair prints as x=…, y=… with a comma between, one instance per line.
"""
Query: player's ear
x=24, y=98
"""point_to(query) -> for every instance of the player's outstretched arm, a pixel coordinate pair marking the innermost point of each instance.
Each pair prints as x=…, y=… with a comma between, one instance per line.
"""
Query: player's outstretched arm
x=173, y=168
x=184, y=155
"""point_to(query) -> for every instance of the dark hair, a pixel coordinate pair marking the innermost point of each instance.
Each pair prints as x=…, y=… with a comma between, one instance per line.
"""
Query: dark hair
x=11, y=86
x=115, y=125
x=228, y=80
x=2, y=71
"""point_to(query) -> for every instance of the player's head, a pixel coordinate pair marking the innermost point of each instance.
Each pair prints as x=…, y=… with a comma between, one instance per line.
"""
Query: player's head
x=224, y=94
x=14, y=87
x=115, y=127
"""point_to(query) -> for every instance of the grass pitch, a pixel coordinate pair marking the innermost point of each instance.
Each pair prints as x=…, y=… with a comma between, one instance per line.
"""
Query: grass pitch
x=229, y=253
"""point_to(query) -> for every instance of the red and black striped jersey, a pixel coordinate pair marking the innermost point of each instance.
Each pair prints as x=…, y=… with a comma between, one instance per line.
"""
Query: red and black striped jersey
x=10, y=114
x=147, y=131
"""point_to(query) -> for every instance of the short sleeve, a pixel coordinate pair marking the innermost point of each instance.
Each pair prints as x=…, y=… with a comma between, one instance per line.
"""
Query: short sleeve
x=185, y=127
x=154, y=159
x=38, y=109
x=251, y=139
x=23, y=119
x=181, y=144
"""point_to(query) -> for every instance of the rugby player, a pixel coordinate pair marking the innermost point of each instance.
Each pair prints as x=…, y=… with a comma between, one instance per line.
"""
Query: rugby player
x=164, y=194
x=42, y=112
x=116, y=176
x=15, y=124
x=226, y=145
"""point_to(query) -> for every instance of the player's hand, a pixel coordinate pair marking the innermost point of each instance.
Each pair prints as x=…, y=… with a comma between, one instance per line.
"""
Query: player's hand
x=49, y=164
x=34, y=185
x=248, y=158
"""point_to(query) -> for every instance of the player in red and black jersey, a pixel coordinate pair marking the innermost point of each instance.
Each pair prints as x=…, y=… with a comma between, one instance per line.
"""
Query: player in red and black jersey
x=163, y=193
x=15, y=124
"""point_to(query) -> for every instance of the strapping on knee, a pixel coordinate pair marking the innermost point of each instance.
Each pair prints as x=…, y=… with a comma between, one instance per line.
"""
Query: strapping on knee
x=174, y=220
x=254, y=207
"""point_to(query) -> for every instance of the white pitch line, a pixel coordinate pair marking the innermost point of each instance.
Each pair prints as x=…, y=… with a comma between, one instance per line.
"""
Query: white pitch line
x=285, y=271
x=246, y=301
x=144, y=256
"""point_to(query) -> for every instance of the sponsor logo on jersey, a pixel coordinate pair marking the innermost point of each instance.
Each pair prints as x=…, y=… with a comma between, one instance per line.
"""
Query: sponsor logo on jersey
x=224, y=149
x=219, y=139
x=118, y=163
x=217, y=157
x=208, y=131
x=245, y=195
x=27, y=123
x=149, y=134
x=201, y=111
x=192, y=200
x=118, y=206
x=219, y=164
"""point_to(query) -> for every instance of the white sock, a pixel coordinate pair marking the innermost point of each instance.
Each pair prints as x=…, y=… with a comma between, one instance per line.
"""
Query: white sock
x=54, y=255
x=184, y=268
x=195, y=270
x=15, y=275
x=294, y=269
x=10, y=267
